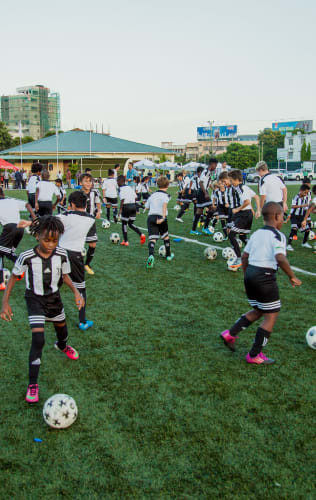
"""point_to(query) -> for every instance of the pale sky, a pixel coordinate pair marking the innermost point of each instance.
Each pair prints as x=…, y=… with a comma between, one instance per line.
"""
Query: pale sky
x=154, y=71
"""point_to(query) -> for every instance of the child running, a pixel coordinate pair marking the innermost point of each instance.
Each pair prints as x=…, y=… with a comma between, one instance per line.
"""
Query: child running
x=128, y=210
x=94, y=209
x=157, y=222
x=36, y=170
x=263, y=254
x=62, y=194
x=109, y=190
x=300, y=204
x=47, y=267
x=45, y=191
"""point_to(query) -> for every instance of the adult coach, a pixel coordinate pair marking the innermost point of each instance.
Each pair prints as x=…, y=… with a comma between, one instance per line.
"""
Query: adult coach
x=131, y=173
x=271, y=187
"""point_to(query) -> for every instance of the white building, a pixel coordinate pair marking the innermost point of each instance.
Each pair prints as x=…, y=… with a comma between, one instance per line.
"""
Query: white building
x=293, y=145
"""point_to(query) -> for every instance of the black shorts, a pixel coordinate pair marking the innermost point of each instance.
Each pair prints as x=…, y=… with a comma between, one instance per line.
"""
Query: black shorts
x=10, y=238
x=77, y=269
x=92, y=234
x=156, y=231
x=222, y=212
x=201, y=201
x=242, y=221
x=111, y=201
x=193, y=194
x=145, y=196
x=45, y=208
x=42, y=308
x=296, y=223
x=262, y=289
x=31, y=199
x=128, y=212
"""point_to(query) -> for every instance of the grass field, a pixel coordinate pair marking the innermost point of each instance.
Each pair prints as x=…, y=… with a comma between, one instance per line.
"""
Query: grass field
x=165, y=411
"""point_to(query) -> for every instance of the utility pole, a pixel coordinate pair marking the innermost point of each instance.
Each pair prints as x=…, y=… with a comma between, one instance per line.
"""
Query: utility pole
x=211, y=123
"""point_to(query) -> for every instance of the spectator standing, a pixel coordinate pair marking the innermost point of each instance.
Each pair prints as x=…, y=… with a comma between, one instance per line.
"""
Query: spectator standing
x=68, y=178
x=6, y=179
x=24, y=179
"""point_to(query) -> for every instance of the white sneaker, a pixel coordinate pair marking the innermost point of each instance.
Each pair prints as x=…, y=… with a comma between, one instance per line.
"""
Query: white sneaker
x=290, y=248
x=178, y=219
x=306, y=245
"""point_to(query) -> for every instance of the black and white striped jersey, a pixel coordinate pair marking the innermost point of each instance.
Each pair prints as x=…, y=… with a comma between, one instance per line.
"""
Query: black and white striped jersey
x=42, y=276
x=297, y=200
x=206, y=177
x=237, y=195
x=195, y=182
x=220, y=197
x=93, y=197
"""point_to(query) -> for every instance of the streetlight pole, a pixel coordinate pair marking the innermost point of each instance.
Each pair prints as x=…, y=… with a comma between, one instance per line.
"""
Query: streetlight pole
x=211, y=137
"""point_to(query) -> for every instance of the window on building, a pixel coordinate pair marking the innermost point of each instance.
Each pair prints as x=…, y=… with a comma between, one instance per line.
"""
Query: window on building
x=290, y=155
x=290, y=142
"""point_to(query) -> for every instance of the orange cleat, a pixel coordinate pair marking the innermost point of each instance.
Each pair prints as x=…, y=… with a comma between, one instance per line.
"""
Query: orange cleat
x=124, y=243
x=142, y=239
x=2, y=287
x=19, y=278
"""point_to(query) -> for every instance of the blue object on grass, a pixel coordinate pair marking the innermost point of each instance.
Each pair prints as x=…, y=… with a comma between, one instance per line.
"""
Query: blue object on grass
x=177, y=240
x=38, y=440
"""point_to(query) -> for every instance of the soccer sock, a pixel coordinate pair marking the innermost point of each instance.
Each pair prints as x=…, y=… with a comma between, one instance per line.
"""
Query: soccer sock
x=90, y=254
x=135, y=228
x=151, y=247
x=223, y=223
x=194, y=208
x=124, y=230
x=82, y=312
x=241, y=324
x=306, y=235
x=292, y=233
x=62, y=336
x=168, y=249
x=35, y=355
x=243, y=238
x=195, y=222
x=234, y=243
x=207, y=219
x=115, y=214
x=181, y=212
x=261, y=339
x=108, y=213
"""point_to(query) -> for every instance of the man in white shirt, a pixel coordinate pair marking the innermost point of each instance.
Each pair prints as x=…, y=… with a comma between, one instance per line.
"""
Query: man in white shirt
x=109, y=190
x=45, y=192
x=271, y=187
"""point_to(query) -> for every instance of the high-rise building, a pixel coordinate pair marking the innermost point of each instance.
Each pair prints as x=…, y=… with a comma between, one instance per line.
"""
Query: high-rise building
x=35, y=107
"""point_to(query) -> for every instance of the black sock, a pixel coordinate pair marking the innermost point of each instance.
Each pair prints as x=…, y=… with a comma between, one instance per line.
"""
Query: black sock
x=195, y=222
x=306, y=235
x=62, y=336
x=234, y=243
x=243, y=238
x=35, y=355
x=108, y=213
x=124, y=230
x=115, y=214
x=151, y=247
x=207, y=219
x=1, y=270
x=241, y=324
x=135, y=228
x=292, y=233
x=90, y=254
x=261, y=339
x=181, y=212
x=223, y=223
x=82, y=312
x=168, y=249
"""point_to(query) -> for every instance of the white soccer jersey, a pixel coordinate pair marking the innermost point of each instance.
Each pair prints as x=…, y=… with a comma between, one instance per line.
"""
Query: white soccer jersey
x=272, y=186
x=247, y=194
x=127, y=194
x=264, y=245
x=156, y=202
x=77, y=225
x=46, y=191
x=186, y=182
x=10, y=210
x=145, y=187
x=110, y=187
x=32, y=184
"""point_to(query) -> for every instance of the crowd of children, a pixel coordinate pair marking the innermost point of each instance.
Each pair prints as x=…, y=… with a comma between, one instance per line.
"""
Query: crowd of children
x=59, y=254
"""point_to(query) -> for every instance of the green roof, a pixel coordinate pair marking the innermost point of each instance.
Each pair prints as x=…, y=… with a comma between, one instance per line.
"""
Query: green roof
x=78, y=141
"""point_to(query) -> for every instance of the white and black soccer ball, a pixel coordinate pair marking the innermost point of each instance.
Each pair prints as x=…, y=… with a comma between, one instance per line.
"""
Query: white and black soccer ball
x=106, y=224
x=218, y=237
x=6, y=275
x=211, y=229
x=311, y=337
x=230, y=263
x=210, y=253
x=311, y=235
x=60, y=411
x=115, y=238
x=176, y=207
x=84, y=252
x=162, y=251
x=228, y=253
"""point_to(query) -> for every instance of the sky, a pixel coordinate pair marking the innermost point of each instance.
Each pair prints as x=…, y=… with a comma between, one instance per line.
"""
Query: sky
x=154, y=71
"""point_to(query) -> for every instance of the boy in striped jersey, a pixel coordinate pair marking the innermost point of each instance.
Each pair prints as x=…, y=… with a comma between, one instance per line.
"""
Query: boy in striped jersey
x=94, y=209
x=184, y=194
x=47, y=267
x=203, y=198
x=300, y=204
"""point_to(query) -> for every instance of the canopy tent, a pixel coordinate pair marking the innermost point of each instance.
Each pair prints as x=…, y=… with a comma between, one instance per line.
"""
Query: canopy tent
x=7, y=166
x=145, y=164
x=168, y=165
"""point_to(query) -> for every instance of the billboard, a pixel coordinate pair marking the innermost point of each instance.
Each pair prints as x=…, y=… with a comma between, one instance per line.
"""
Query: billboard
x=284, y=127
x=218, y=132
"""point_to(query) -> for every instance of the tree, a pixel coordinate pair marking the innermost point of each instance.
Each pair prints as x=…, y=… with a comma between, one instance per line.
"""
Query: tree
x=52, y=132
x=308, y=152
x=25, y=140
x=5, y=137
x=271, y=140
x=240, y=156
x=303, y=152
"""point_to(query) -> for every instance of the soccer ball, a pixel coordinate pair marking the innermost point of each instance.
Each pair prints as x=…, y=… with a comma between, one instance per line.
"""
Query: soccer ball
x=311, y=235
x=239, y=242
x=218, y=237
x=230, y=262
x=6, y=275
x=60, y=411
x=115, y=238
x=311, y=337
x=312, y=224
x=162, y=251
x=228, y=253
x=211, y=229
x=176, y=207
x=84, y=252
x=106, y=224
x=210, y=253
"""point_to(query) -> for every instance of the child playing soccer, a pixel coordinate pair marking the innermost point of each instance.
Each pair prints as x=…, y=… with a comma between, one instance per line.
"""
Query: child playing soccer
x=45, y=191
x=263, y=254
x=47, y=267
x=62, y=194
x=94, y=209
x=300, y=204
x=184, y=194
x=157, y=222
x=222, y=206
x=36, y=170
x=128, y=210
x=109, y=190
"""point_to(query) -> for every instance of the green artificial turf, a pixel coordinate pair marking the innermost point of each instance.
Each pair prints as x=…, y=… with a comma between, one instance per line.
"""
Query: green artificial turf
x=165, y=410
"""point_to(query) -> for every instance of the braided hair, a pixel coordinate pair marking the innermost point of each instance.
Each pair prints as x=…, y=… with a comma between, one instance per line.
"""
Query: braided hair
x=48, y=224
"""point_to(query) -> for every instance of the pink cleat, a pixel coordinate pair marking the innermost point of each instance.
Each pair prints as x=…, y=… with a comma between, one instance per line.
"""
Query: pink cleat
x=228, y=340
x=260, y=359
x=32, y=394
x=70, y=352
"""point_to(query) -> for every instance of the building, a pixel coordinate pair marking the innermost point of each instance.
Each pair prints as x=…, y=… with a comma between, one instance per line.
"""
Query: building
x=177, y=149
x=293, y=144
x=88, y=149
x=195, y=150
x=35, y=107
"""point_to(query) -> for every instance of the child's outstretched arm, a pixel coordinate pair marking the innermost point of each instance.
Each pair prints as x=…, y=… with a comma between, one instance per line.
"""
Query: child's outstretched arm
x=6, y=311
x=283, y=263
x=78, y=297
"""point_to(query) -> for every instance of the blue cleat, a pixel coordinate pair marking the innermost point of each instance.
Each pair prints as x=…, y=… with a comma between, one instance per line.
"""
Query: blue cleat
x=86, y=325
x=206, y=231
x=196, y=233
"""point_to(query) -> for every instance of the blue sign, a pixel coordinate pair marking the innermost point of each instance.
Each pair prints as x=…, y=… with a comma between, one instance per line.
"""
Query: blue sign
x=283, y=127
x=218, y=132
